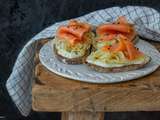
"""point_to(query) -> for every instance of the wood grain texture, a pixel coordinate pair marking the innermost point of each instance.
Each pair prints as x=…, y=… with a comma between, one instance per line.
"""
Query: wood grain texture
x=82, y=116
x=57, y=94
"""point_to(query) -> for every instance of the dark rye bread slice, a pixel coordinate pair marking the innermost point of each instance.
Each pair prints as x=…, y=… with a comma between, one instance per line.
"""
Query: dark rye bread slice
x=117, y=69
x=78, y=60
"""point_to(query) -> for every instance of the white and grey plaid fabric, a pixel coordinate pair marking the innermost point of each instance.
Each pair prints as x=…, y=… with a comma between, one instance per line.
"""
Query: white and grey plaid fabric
x=19, y=84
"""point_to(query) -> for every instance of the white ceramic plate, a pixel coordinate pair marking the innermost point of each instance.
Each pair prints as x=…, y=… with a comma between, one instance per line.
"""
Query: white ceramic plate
x=83, y=73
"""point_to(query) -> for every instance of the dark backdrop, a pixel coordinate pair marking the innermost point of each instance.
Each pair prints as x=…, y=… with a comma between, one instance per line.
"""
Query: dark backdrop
x=22, y=19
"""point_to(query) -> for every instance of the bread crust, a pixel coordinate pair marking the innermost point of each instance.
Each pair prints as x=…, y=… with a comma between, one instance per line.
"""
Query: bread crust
x=78, y=60
x=117, y=69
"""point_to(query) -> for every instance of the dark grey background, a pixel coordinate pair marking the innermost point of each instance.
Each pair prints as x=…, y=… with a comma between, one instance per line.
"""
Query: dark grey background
x=22, y=19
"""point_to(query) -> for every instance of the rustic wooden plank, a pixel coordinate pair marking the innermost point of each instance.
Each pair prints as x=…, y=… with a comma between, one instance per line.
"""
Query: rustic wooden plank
x=46, y=98
x=56, y=94
x=82, y=116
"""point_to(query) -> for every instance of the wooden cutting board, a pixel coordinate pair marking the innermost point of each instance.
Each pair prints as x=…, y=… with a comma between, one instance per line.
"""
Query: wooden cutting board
x=54, y=93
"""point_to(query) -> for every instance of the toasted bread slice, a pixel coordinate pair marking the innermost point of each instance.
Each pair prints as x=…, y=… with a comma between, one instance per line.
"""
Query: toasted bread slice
x=73, y=41
x=77, y=60
x=117, y=69
x=74, y=54
x=102, y=61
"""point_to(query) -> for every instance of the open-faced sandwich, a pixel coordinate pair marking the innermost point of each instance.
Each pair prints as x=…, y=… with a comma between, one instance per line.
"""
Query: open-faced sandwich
x=106, y=34
x=72, y=42
x=119, y=56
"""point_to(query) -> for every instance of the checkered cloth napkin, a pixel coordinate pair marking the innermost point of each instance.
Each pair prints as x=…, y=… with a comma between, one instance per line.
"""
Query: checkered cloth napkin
x=19, y=84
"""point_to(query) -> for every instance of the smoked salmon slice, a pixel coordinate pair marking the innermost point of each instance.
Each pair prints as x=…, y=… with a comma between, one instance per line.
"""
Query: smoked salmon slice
x=113, y=27
x=120, y=46
x=126, y=46
x=130, y=35
x=107, y=37
x=132, y=52
x=72, y=39
x=74, y=31
x=121, y=26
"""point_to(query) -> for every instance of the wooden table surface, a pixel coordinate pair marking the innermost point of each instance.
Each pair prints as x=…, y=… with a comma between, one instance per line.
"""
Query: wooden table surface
x=53, y=93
